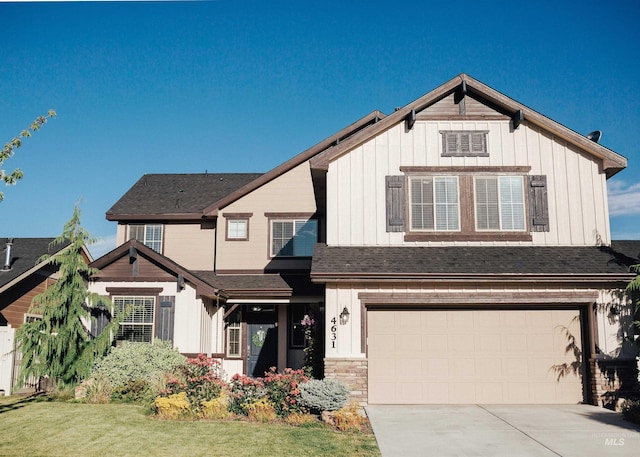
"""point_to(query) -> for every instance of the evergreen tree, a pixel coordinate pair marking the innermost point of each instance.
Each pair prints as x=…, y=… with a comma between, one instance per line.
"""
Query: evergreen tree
x=59, y=345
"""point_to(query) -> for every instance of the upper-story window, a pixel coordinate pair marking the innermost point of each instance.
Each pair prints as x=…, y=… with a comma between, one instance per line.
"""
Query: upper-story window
x=293, y=238
x=148, y=234
x=499, y=203
x=434, y=203
x=237, y=229
x=470, y=203
x=237, y=226
x=464, y=143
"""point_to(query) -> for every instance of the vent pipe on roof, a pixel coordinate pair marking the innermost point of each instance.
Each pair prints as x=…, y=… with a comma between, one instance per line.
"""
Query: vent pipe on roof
x=7, y=260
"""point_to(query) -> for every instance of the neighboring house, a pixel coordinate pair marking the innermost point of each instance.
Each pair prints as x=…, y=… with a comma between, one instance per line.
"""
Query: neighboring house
x=455, y=251
x=22, y=277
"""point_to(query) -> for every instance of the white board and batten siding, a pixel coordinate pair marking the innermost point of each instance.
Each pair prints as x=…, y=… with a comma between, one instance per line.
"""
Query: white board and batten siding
x=576, y=187
x=188, y=318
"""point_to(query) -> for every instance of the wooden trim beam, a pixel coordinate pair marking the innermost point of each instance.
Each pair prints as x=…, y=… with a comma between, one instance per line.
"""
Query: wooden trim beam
x=478, y=298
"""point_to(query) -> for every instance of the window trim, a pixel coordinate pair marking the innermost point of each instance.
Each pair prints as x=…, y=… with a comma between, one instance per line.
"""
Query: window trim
x=289, y=217
x=236, y=217
x=233, y=326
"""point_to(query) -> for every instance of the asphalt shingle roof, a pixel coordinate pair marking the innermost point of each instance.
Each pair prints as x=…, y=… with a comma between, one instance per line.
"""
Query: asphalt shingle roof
x=577, y=260
x=25, y=253
x=178, y=193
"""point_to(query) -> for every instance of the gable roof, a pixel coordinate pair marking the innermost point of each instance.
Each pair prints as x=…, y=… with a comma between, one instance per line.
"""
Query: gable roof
x=612, y=162
x=176, y=196
x=202, y=287
x=474, y=262
x=24, y=254
x=360, y=125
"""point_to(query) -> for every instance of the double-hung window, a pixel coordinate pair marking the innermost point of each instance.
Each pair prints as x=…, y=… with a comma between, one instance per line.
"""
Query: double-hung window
x=293, y=238
x=148, y=234
x=434, y=203
x=137, y=325
x=237, y=229
x=499, y=203
x=234, y=339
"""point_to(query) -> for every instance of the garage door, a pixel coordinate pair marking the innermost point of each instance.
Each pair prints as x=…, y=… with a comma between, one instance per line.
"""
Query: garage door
x=474, y=356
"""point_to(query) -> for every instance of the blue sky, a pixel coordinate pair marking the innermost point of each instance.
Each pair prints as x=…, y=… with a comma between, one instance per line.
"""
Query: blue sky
x=241, y=86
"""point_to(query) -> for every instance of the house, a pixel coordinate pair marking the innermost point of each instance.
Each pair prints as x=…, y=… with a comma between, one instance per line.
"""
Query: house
x=455, y=251
x=23, y=275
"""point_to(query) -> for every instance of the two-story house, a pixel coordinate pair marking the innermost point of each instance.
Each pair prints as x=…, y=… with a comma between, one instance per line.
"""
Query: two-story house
x=457, y=250
x=468, y=242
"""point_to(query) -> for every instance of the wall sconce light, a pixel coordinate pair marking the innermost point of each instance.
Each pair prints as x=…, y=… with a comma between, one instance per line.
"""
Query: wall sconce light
x=344, y=316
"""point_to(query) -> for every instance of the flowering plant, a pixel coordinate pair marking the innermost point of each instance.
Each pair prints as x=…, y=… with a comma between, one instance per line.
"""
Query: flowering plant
x=200, y=378
x=283, y=390
x=243, y=391
x=309, y=325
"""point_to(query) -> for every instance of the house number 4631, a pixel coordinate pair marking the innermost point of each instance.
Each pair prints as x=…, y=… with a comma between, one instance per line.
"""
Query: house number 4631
x=334, y=334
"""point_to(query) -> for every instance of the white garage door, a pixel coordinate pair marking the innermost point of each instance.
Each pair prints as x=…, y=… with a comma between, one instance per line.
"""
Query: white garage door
x=474, y=356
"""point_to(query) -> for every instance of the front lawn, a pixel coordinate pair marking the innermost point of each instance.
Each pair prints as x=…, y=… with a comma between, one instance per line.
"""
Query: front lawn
x=37, y=428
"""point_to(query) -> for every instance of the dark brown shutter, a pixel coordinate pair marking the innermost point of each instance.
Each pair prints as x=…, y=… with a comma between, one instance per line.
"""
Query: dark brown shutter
x=538, y=203
x=100, y=318
x=164, y=321
x=395, y=203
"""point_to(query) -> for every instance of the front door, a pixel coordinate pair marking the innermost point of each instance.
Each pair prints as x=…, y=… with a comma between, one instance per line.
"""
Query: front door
x=262, y=342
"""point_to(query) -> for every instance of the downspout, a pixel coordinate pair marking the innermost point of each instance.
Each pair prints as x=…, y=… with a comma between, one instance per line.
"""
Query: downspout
x=215, y=245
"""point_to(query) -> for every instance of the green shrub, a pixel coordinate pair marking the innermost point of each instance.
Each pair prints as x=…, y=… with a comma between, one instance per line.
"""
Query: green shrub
x=133, y=391
x=324, y=395
x=133, y=361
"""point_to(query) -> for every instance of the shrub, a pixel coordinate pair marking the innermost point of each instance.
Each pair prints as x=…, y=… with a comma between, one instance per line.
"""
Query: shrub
x=132, y=361
x=243, y=391
x=282, y=389
x=216, y=408
x=173, y=407
x=301, y=419
x=261, y=410
x=631, y=411
x=133, y=391
x=199, y=377
x=349, y=419
x=97, y=389
x=324, y=395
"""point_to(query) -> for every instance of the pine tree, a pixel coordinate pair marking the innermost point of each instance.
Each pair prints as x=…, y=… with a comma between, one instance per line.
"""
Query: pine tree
x=59, y=344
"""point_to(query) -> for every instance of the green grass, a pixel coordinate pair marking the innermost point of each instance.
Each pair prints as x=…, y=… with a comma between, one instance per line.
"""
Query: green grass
x=37, y=428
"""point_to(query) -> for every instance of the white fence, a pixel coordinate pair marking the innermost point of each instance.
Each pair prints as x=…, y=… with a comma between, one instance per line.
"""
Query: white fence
x=7, y=335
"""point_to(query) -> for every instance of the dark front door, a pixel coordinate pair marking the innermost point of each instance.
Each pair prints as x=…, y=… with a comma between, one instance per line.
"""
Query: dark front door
x=262, y=342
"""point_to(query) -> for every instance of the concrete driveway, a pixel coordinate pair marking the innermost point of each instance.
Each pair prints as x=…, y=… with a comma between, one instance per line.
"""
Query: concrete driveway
x=502, y=430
